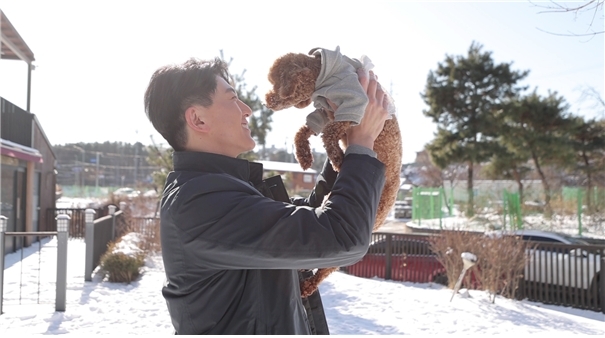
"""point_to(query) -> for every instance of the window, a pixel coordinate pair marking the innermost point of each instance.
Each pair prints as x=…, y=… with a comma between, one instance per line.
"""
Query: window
x=307, y=178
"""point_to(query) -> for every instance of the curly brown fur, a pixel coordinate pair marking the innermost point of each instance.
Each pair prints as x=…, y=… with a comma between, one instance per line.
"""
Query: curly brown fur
x=331, y=136
x=293, y=78
x=388, y=150
x=310, y=285
x=304, y=156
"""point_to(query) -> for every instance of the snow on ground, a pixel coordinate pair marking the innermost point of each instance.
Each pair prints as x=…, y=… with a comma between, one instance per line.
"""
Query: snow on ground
x=594, y=228
x=353, y=305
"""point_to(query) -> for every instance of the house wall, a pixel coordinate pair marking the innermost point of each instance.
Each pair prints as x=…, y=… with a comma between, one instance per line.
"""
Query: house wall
x=303, y=181
x=47, y=179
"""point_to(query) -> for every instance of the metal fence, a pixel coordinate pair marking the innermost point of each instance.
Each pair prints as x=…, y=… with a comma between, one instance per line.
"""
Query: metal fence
x=149, y=228
x=559, y=274
x=146, y=226
x=77, y=222
x=61, y=262
x=403, y=257
x=565, y=274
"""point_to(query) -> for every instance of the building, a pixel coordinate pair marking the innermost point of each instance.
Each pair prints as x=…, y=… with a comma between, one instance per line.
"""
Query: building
x=297, y=180
x=27, y=160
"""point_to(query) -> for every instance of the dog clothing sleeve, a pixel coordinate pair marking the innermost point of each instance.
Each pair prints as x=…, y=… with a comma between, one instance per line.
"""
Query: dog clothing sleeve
x=338, y=82
x=317, y=120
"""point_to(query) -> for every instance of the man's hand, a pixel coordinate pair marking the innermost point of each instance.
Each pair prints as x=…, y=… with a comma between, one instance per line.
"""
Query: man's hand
x=375, y=115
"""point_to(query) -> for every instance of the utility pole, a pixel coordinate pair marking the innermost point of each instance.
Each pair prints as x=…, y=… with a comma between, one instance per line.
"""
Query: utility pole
x=97, y=175
x=136, y=160
x=82, y=163
x=136, y=163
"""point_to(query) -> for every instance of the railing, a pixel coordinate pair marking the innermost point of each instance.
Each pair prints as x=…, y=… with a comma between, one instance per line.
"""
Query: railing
x=61, y=281
x=560, y=274
x=146, y=226
x=404, y=257
x=564, y=274
x=77, y=223
x=102, y=231
x=15, y=123
x=99, y=233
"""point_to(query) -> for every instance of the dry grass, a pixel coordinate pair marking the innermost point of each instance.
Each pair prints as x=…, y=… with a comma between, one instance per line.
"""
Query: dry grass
x=500, y=260
x=138, y=216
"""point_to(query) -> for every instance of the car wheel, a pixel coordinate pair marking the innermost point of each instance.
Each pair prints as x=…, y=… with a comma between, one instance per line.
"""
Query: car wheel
x=441, y=278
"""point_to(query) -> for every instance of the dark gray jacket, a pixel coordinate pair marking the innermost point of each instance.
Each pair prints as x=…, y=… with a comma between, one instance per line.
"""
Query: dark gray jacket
x=232, y=255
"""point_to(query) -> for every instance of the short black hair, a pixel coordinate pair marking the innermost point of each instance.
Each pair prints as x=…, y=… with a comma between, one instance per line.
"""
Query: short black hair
x=174, y=88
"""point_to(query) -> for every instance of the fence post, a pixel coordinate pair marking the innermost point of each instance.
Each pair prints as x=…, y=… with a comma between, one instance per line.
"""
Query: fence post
x=601, y=287
x=89, y=236
x=112, y=211
x=505, y=208
x=387, y=255
x=517, y=198
x=580, y=212
x=441, y=197
x=3, y=221
x=62, y=234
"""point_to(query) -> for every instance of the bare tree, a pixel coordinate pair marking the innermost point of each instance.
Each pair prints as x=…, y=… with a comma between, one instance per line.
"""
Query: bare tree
x=592, y=95
x=594, y=7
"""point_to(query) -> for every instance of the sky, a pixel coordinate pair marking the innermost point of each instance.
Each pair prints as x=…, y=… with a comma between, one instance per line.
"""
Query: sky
x=353, y=305
x=94, y=59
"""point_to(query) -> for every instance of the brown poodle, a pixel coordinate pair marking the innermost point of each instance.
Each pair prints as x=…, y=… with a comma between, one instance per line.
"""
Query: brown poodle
x=294, y=77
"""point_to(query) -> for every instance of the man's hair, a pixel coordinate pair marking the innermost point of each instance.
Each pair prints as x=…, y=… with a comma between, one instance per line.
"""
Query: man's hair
x=174, y=88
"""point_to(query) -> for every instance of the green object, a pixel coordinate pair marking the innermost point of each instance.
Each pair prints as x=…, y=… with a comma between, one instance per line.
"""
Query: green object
x=427, y=204
x=579, y=212
x=512, y=209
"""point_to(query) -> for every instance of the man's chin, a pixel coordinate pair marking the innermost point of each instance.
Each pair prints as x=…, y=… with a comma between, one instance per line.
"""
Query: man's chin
x=250, y=147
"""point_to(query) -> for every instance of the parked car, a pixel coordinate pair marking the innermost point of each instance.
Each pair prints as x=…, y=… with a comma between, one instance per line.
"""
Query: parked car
x=560, y=265
x=127, y=192
x=403, y=209
x=411, y=261
x=150, y=193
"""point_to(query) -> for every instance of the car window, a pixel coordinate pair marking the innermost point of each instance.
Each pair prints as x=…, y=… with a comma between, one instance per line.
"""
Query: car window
x=540, y=239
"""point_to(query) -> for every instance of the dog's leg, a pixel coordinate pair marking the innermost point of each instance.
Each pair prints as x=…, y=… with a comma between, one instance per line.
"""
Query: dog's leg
x=331, y=136
x=310, y=285
x=303, y=148
x=388, y=151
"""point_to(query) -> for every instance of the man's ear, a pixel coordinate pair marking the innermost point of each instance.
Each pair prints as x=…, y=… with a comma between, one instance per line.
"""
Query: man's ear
x=194, y=119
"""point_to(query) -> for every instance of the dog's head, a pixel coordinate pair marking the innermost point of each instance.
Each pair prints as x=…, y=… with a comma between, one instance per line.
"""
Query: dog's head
x=293, y=78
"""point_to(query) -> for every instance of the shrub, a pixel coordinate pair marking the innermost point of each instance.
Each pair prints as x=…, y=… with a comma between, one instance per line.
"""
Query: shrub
x=501, y=260
x=501, y=264
x=120, y=267
x=448, y=246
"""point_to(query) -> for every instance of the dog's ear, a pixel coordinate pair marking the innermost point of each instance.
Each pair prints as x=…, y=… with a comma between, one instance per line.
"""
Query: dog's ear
x=294, y=88
x=274, y=101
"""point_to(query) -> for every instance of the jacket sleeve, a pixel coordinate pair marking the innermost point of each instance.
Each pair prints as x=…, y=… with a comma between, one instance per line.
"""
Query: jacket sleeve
x=232, y=228
x=323, y=186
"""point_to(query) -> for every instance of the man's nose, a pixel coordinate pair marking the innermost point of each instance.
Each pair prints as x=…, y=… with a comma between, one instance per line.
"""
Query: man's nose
x=246, y=110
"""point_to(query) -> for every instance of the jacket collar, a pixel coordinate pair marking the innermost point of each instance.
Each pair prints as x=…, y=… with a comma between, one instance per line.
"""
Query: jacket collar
x=218, y=164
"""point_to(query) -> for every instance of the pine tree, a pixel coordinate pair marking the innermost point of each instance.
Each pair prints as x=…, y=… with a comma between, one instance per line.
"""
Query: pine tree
x=588, y=142
x=464, y=96
x=508, y=164
x=162, y=158
x=539, y=128
x=260, y=120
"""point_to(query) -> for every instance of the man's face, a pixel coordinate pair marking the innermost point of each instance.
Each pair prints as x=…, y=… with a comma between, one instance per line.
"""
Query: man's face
x=226, y=119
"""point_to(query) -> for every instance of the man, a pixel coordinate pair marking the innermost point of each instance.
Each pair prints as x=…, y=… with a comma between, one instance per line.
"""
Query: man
x=232, y=255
